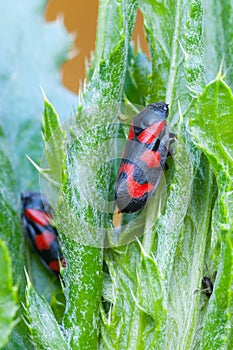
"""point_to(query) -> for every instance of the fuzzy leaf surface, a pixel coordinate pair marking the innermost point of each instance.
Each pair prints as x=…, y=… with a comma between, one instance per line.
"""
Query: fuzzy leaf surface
x=45, y=331
x=212, y=126
x=193, y=42
x=164, y=24
x=77, y=216
x=54, y=143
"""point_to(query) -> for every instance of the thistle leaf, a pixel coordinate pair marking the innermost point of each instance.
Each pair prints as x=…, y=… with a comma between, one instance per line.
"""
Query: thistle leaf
x=45, y=331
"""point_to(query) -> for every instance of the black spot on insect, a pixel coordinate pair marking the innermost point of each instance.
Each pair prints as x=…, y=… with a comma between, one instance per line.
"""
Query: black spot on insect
x=137, y=130
x=156, y=146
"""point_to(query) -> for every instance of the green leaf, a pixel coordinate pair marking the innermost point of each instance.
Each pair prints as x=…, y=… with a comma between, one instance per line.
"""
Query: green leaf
x=194, y=49
x=54, y=142
x=108, y=33
x=45, y=331
x=164, y=28
x=181, y=239
x=165, y=231
x=8, y=295
x=184, y=303
x=110, y=69
x=218, y=37
x=179, y=271
x=137, y=313
x=119, y=329
x=211, y=124
x=151, y=294
x=76, y=216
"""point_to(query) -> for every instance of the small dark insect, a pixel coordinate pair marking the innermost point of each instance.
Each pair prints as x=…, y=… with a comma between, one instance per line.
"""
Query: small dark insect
x=207, y=286
x=43, y=237
x=143, y=159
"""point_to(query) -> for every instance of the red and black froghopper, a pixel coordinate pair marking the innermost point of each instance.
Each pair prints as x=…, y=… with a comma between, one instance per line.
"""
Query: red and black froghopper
x=36, y=217
x=143, y=158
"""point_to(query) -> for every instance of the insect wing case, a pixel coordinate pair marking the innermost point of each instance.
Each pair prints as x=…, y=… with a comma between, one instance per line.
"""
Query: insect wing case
x=43, y=237
x=143, y=159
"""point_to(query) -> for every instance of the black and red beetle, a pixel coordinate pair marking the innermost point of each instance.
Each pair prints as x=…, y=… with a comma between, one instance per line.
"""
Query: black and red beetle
x=143, y=159
x=43, y=236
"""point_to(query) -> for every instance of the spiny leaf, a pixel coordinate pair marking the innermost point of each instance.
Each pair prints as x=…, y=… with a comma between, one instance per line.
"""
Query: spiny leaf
x=109, y=75
x=184, y=305
x=99, y=105
x=151, y=292
x=108, y=32
x=164, y=27
x=120, y=327
x=178, y=196
x=151, y=296
x=211, y=125
x=45, y=331
x=54, y=141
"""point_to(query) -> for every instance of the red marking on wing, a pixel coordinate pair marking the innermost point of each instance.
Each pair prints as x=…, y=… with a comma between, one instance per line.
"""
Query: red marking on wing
x=54, y=265
x=44, y=240
x=148, y=135
x=151, y=158
x=131, y=133
x=38, y=216
x=126, y=168
x=135, y=189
